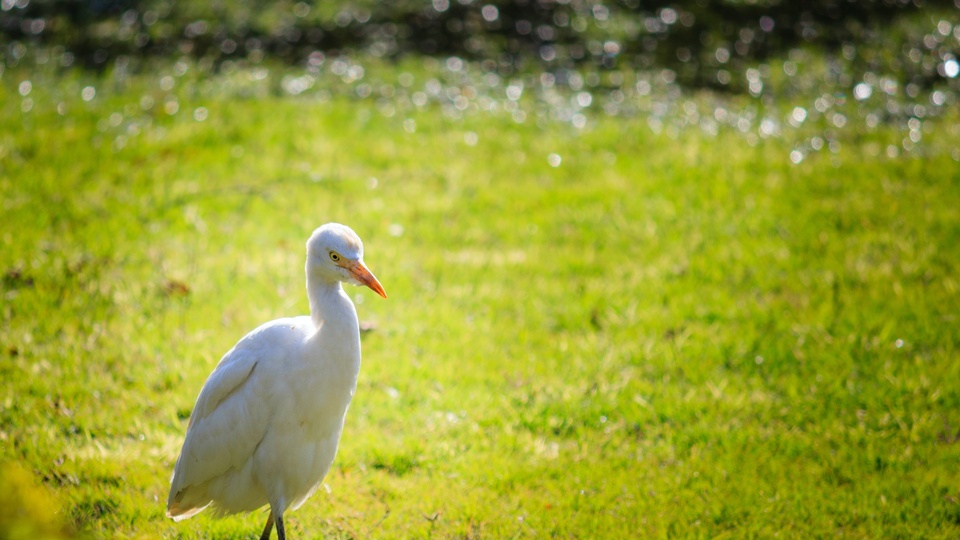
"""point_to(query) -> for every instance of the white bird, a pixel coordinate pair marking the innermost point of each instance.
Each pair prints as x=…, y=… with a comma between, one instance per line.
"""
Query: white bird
x=267, y=423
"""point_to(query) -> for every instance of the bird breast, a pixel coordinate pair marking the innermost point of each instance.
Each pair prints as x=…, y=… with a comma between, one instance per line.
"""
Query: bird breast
x=312, y=401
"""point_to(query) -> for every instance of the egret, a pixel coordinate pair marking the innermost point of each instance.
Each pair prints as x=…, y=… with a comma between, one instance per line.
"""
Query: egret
x=267, y=423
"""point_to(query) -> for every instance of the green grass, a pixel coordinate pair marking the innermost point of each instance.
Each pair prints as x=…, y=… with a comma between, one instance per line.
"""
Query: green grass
x=662, y=337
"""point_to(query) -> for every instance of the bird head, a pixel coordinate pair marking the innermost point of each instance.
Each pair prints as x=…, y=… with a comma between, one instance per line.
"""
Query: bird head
x=335, y=253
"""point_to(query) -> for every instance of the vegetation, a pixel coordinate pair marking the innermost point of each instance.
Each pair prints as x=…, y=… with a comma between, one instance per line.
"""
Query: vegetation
x=708, y=43
x=618, y=307
x=611, y=331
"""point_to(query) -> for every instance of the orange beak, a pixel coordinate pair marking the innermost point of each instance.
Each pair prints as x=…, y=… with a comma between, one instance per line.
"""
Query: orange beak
x=364, y=276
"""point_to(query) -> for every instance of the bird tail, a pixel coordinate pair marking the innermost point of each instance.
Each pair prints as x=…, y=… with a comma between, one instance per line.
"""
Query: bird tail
x=180, y=512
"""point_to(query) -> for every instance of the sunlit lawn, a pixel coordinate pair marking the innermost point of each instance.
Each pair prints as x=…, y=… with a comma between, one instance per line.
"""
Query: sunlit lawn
x=641, y=335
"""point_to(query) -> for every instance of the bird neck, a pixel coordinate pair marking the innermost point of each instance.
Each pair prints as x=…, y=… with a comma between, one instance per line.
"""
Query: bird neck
x=329, y=303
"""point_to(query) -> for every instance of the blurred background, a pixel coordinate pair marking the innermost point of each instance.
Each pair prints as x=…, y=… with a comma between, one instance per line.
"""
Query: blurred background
x=656, y=269
x=858, y=63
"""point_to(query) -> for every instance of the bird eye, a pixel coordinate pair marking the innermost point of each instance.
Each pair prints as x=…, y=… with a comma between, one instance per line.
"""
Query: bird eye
x=335, y=256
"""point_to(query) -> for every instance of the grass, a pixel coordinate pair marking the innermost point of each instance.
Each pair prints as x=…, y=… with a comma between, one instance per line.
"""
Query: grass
x=663, y=336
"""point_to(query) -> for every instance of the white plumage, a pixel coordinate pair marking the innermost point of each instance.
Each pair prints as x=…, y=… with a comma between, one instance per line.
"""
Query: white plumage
x=267, y=423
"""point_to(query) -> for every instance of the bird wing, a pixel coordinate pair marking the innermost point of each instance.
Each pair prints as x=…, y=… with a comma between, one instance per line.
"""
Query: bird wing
x=228, y=420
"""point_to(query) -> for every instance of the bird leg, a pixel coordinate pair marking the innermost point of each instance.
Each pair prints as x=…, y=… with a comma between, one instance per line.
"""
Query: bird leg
x=280, y=534
x=269, y=528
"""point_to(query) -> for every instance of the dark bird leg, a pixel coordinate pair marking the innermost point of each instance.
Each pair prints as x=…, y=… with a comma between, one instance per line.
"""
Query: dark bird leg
x=269, y=528
x=280, y=534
